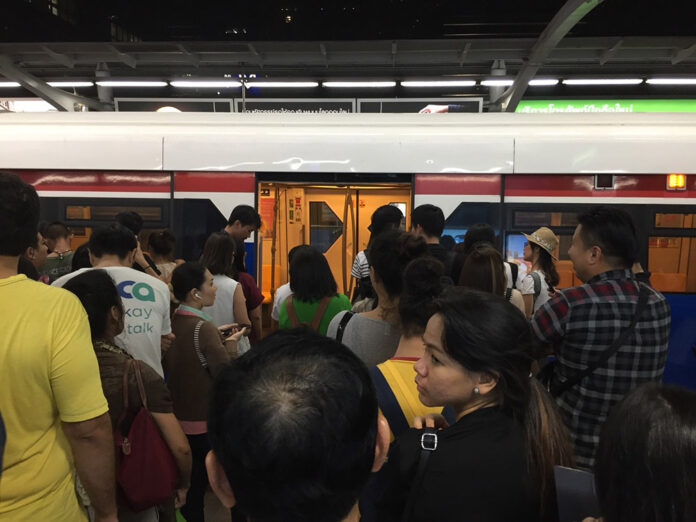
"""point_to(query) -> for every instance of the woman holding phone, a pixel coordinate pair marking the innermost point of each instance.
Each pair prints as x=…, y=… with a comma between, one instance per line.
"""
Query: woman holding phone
x=198, y=352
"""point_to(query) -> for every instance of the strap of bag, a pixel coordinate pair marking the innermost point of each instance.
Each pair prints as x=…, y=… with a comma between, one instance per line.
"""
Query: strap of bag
x=428, y=444
x=124, y=387
x=141, y=386
x=388, y=403
x=342, y=325
x=292, y=315
x=643, y=297
x=319, y=313
x=508, y=294
x=197, y=345
x=514, y=270
x=537, y=285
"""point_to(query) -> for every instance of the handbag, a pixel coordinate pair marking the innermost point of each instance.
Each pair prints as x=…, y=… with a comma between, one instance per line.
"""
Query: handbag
x=146, y=472
x=545, y=375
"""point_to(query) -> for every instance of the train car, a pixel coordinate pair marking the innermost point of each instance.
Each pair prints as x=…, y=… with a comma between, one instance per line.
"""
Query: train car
x=317, y=178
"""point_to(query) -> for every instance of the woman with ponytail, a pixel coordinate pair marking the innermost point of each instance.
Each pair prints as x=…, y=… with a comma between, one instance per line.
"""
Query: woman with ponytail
x=543, y=277
x=495, y=462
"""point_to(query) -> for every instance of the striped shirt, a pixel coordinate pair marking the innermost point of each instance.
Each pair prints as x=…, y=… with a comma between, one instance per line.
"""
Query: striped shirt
x=581, y=323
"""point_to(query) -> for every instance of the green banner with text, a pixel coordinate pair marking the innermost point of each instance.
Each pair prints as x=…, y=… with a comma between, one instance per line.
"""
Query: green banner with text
x=576, y=106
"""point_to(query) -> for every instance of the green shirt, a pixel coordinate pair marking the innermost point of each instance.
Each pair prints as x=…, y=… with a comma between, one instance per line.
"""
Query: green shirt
x=57, y=266
x=305, y=312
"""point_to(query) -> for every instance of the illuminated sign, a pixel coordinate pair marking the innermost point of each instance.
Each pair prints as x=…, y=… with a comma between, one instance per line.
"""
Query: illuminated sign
x=676, y=182
x=615, y=106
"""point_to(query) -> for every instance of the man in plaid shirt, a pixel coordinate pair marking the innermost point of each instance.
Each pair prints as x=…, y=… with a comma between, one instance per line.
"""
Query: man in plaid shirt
x=580, y=323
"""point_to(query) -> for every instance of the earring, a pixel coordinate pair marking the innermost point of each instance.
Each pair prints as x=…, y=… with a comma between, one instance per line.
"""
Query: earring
x=476, y=390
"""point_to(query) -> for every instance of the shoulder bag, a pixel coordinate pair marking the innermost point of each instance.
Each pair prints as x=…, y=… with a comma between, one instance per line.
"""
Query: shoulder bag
x=318, y=314
x=146, y=472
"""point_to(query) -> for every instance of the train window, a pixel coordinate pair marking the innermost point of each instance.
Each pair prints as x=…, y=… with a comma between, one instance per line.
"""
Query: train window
x=514, y=251
x=467, y=214
x=324, y=226
x=672, y=263
x=529, y=219
x=675, y=220
x=109, y=212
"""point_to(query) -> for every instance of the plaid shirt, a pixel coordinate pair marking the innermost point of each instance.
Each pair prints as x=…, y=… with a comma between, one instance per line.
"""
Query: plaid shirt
x=581, y=323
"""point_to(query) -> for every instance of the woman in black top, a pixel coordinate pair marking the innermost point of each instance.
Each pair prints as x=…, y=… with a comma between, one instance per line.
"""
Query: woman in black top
x=496, y=462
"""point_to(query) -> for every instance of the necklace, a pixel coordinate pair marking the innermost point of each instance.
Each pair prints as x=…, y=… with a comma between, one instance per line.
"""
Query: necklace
x=103, y=345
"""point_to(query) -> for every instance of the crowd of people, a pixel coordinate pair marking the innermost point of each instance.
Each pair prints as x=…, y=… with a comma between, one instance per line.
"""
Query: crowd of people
x=448, y=388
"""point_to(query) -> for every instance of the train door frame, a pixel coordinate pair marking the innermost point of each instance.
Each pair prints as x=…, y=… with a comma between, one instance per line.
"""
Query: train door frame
x=338, y=179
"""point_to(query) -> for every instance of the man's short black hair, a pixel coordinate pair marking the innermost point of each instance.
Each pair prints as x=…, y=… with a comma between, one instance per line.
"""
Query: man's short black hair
x=56, y=230
x=114, y=239
x=131, y=220
x=612, y=230
x=246, y=215
x=293, y=423
x=430, y=218
x=478, y=233
x=19, y=215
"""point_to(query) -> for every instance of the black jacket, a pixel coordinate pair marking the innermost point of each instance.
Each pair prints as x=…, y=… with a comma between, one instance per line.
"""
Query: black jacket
x=477, y=473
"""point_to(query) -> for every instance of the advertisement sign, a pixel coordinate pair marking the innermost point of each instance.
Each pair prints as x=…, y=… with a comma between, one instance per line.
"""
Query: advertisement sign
x=415, y=105
x=180, y=104
x=296, y=106
x=616, y=106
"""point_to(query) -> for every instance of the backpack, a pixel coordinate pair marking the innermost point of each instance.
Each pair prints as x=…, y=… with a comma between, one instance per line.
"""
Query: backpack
x=318, y=314
x=537, y=286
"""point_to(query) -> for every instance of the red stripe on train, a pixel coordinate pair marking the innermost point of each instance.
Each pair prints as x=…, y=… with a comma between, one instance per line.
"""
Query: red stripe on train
x=474, y=184
x=96, y=181
x=571, y=185
x=214, y=182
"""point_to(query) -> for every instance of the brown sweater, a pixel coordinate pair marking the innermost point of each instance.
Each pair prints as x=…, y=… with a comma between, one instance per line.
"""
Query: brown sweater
x=188, y=382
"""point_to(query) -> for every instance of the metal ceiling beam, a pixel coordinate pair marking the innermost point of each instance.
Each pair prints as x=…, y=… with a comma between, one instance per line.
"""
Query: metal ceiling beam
x=61, y=100
x=192, y=57
x=683, y=54
x=126, y=58
x=60, y=58
x=565, y=19
x=609, y=53
x=462, y=55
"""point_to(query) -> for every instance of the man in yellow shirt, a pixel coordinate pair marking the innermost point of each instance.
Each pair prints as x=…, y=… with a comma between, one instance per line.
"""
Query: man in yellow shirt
x=51, y=398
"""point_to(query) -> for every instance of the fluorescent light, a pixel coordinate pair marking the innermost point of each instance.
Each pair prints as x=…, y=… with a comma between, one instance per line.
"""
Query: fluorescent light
x=671, y=81
x=71, y=84
x=439, y=83
x=206, y=84
x=283, y=85
x=9, y=84
x=367, y=85
x=601, y=81
x=496, y=83
x=130, y=83
x=543, y=82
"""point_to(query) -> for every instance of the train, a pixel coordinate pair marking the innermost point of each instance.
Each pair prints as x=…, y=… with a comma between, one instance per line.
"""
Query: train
x=316, y=178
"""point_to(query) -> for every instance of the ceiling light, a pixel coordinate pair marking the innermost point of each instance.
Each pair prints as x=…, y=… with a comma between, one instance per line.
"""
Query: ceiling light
x=206, y=84
x=71, y=84
x=602, y=81
x=282, y=85
x=671, y=81
x=543, y=82
x=439, y=83
x=9, y=84
x=496, y=83
x=367, y=85
x=130, y=83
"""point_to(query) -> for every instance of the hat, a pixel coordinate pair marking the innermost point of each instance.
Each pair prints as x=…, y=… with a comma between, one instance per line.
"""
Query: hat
x=545, y=238
x=384, y=216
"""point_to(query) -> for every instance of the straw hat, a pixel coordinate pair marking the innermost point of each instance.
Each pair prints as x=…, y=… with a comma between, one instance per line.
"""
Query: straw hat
x=545, y=238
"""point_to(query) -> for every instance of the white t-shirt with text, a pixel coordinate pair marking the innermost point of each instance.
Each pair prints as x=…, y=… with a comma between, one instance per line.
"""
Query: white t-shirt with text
x=146, y=305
